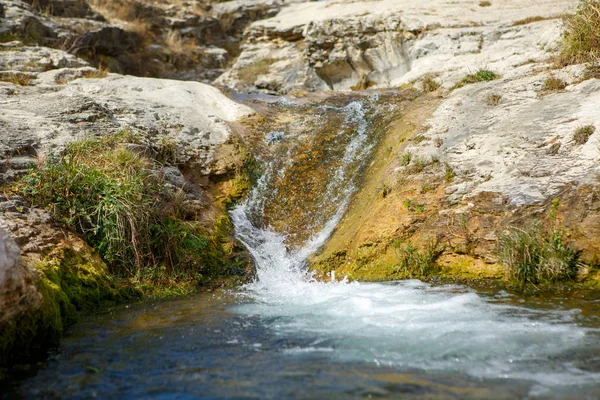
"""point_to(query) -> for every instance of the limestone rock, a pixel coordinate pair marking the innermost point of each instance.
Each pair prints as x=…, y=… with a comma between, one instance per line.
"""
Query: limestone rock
x=18, y=293
x=337, y=45
x=43, y=118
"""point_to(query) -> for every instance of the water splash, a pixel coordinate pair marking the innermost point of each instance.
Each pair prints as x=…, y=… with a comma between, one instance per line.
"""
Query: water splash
x=408, y=324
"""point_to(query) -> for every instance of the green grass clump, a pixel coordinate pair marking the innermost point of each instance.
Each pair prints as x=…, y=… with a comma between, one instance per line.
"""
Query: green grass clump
x=582, y=134
x=581, y=35
x=483, y=75
x=537, y=255
x=413, y=262
x=104, y=191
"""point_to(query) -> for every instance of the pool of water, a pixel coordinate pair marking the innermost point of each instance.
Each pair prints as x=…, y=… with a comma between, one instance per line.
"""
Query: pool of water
x=331, y=340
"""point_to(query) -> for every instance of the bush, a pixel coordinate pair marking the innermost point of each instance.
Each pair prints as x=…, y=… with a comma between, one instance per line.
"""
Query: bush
x=581, y=36
x=415, y=263
x=582, y=134
x=104, y=191
x=537, y=254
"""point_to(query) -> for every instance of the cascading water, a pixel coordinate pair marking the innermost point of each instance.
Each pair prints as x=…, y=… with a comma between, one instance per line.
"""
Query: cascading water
x=288, y=335
x=407, y=325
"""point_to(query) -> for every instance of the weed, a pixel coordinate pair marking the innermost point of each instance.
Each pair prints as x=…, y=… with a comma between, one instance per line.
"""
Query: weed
x=583, y=133
x=420, y=208
x=553, y=84
x=430, y=84
x=385, y=189
x=405, y=158
x=449, y=173
x=419, y=138
x=483, y=75
x=438, y=142
x=581, y=36
x=415, y=263
x=417, y=165
x=528, y=20
x=101, y=72
x=493, y=99
x=407, y=203
x=537, y=254
x=485, y=3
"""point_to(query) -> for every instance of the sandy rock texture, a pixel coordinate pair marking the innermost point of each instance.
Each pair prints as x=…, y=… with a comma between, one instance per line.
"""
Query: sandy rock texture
x=344, y=45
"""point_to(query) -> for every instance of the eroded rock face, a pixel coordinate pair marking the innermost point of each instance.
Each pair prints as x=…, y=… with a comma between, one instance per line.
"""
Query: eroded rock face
x=342, y=46
x=42, y=118
x=18, y=293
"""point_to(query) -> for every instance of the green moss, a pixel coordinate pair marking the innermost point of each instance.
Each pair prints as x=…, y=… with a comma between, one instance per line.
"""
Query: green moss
x=483, y=75
x=71, y=283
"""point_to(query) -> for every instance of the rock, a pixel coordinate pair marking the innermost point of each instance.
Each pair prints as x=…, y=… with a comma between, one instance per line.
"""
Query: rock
x=513, y=147
x=335, y=45
x=192, y=115
x=17, y=57
x=63, y=8
x=18, y=293
x=109, y=41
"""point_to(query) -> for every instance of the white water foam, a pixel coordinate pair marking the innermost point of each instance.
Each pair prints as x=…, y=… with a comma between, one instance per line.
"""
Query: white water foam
x=405, y=324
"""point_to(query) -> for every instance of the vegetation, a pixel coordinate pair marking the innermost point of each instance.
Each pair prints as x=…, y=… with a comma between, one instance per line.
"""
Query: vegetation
x=493, y=99
x=413, y=262
x=430, y=84
x=528, y=20
x=484, y=4
x=582, y=134
x=16, y=78
x=483, y=75
x=581, y=36
x=405, y=158
x=553, y=84
x=104, y=191
x=537, y=254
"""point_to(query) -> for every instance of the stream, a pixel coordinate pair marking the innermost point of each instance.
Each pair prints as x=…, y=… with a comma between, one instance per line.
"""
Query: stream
x=288, y=335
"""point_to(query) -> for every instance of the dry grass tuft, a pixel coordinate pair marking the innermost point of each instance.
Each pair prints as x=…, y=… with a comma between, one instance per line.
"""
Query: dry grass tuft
x=528, y=20
x=583, y=133
x=554, y=84
x=581, y=37
x=430, y=84
x=485, y=3
x=493, y=99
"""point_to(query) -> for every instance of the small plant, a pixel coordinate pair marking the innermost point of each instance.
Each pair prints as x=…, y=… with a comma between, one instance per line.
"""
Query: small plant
x=582, y=134
x=100, y=72
x=493, y=99
x=537, y=254
x=430, y=84
x=407, y=203
x=484, y=4
x=417, y=165
x=438, y=142
x=385, y=189
x=418, y=139
x=449, y=173
x=483, y=75
x=413, y=262
x=553, y=84
x=405, y=158
x=581, y=35
x=420, y=208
